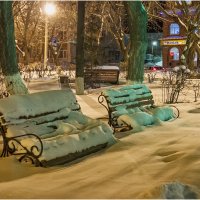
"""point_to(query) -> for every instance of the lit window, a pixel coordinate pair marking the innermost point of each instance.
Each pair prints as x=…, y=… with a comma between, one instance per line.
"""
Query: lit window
x=63, y=35
x=62, y=54
x=174, y=29
x=174, y=53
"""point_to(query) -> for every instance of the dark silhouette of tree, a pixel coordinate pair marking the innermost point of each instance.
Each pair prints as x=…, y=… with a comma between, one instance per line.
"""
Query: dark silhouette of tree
x=80, y=49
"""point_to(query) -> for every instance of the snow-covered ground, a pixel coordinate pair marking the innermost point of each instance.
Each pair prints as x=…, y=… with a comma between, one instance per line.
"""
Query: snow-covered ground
x=159, y=162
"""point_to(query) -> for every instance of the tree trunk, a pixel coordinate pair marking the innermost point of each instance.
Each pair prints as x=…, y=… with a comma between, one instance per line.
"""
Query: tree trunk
x=190, y=49
x=80, y=49
x=125, y=63
x=137, y=19
x=27, y=55
x=13, y=81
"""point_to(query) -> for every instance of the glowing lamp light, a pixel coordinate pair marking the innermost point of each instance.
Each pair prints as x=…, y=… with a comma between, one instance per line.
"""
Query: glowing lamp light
x=154, y=43
x=49, y=9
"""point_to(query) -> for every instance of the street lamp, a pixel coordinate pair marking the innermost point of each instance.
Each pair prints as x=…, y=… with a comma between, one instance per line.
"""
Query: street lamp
x=49, y=9
x=154, y=43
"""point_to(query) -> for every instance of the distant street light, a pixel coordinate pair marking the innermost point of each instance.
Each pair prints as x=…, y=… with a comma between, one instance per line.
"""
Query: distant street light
x=154, y=43
x=49, y=9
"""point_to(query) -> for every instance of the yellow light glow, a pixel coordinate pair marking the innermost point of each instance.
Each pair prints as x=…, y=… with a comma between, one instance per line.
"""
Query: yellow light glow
x=49, y=9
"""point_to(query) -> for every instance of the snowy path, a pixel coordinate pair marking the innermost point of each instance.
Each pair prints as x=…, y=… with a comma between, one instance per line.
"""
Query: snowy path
x=136, y=167
x=91, y=107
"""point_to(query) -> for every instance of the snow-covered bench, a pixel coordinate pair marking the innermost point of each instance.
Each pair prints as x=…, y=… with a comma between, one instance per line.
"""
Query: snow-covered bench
x=102, y=74
x=48, y=128
x=133, y=106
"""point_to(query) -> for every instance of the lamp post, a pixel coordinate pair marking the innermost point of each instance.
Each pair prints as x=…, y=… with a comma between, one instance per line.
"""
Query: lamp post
x=49, y=9
x=154, y=43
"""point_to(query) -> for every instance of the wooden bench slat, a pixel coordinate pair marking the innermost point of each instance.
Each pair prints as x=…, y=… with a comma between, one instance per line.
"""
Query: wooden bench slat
x=100, y=75
x=137, y=103
x=127, y=99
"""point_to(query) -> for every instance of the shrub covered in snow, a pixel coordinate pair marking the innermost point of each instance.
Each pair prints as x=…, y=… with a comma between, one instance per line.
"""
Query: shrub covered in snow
x=173, y=82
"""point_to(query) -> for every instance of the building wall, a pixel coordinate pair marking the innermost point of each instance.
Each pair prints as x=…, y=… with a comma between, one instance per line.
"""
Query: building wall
x=111, y=52
x=166, y=29
x=177, y=40
x=168, y=60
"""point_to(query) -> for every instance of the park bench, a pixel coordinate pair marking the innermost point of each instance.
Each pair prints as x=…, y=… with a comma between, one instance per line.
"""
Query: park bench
x=101, y=74
x=132, y=107
x=48, y=128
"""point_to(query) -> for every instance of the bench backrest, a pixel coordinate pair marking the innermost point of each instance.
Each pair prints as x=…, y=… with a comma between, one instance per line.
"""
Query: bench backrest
x=102, y=75
x=19, y=108
x=128, y=98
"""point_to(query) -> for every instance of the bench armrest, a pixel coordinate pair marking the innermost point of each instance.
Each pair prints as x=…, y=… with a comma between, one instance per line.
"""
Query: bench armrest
x=16, y=146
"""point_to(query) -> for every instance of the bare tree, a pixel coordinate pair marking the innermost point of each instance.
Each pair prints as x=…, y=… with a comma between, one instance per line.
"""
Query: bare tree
x=30, y=23
x=94, y=26
x=63, y=27
x=116, y=23
x=27, y=19
x=113, y=18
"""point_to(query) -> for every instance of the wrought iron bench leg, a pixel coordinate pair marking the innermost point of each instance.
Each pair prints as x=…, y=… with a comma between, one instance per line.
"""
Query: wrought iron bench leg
x=5, y=151
x=10, y=148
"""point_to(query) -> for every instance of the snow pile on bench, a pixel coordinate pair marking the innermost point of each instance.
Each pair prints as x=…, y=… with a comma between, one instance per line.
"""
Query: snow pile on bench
x=136, y=98
x=54, y=116
x=133, y=105
x=27, y=106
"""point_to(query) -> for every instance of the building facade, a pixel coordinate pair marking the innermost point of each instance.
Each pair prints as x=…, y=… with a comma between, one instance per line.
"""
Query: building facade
x=174, y=38
x=172, y=43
